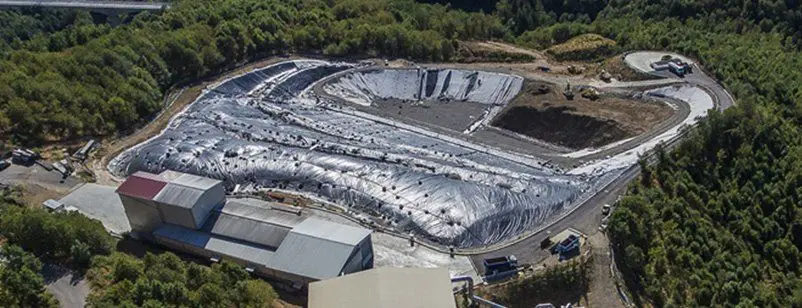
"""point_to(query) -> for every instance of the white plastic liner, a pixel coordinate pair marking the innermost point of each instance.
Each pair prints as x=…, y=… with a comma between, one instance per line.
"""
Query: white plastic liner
x=362, y=87
x=443, y=190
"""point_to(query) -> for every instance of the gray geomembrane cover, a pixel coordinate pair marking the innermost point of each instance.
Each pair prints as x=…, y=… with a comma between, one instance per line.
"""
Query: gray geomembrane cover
x=266, y=129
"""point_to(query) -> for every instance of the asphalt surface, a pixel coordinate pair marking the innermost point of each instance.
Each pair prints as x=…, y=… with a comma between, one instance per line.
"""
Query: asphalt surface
x=66, y=286
x=588, y=217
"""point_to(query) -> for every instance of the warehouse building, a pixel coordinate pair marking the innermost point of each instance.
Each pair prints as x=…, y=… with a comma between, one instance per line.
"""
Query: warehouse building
x=386, y=288
x=191, y=214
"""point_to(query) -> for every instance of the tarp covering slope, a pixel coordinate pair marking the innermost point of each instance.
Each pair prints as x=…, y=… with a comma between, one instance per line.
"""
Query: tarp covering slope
x=260, y=130
x=362, y=87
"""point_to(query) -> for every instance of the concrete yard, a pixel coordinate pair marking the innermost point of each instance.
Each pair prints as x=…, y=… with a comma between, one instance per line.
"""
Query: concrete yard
x=101, y=203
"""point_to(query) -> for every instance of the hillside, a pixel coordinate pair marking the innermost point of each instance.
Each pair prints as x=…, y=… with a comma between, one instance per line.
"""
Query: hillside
x=715, y=221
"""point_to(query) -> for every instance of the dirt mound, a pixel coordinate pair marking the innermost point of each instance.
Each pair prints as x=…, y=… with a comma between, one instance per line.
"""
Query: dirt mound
x=558, y=125
x=541, y=111
x=584, y=47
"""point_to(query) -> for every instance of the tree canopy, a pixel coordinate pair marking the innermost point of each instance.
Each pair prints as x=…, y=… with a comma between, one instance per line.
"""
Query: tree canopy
x=21, y=284
x=69, y=238
x=59, y=82
x=120, y=280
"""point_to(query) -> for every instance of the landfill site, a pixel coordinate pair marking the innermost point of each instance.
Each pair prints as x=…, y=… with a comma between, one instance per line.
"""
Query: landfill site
x=458, y=157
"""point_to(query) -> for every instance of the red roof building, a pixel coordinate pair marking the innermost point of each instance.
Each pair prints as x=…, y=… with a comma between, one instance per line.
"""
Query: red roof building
x=142, y=185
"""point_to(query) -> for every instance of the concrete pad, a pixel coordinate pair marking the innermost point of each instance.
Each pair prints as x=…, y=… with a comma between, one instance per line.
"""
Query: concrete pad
x=391, y=251
x=101, y=203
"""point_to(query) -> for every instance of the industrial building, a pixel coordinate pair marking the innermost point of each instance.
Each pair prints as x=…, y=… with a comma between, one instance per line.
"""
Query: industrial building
x=189, y=213
x=385, y=288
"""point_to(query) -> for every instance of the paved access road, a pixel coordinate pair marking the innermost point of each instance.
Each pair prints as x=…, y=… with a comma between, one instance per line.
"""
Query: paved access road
x=69, y=288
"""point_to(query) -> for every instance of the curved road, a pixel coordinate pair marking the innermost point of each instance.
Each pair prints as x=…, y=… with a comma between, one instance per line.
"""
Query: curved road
x=587, y=216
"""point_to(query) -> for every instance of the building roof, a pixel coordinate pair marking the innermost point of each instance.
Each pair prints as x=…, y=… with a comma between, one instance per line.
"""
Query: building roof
x=170, y=175
x=142, y=185
x=184, y=190
x=252, y=220
x=331, y=231
x=317, y=248
x=179, y=195
x=268, y=212
x=312, y=257
x=194, y=181
x=215, y=244
x=385, y=288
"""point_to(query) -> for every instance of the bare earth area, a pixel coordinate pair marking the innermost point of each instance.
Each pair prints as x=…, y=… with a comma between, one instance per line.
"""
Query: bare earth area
x=454, y=115
x=541, y=111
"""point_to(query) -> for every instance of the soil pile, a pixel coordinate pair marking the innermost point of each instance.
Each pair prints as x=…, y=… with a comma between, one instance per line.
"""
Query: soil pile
x=560, y=126
x=541, y=111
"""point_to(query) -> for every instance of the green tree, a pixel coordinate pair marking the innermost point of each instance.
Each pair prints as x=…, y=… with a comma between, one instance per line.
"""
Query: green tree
x=21, y=285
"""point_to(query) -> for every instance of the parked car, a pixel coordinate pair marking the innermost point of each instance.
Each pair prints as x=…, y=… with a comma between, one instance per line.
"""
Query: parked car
x=605, y=209
x=4, y=164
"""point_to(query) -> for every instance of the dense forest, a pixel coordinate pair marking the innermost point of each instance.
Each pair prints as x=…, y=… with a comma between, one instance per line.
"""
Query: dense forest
x=88, y=79
x=716, y=221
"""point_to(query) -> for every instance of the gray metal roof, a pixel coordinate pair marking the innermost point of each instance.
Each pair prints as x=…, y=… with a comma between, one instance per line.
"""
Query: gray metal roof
x=179, y=195
x=194, y=181
x=332, y=231
x=254, y=221
x=183, y=189
x=262, y=211
x=250, y=230
x=215, y=244
x=317, y=248
x=310, y=256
